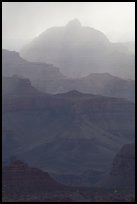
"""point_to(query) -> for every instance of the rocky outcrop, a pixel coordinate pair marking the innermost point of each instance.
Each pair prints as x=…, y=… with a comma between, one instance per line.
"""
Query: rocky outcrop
x=122, y=174
x=17, y=86
x=124, y=162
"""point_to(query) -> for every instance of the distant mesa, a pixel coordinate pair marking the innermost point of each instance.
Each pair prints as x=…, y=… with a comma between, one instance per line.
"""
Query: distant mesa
x=81, y=50
x=72, y=93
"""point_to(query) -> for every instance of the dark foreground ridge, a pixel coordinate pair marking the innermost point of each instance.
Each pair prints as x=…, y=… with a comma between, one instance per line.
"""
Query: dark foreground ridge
x=22, y=183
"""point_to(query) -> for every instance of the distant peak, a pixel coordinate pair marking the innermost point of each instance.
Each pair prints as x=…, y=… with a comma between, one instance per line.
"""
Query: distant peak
x=75, y=92
x=105, y=74
x=75, y=23
x=72, y=93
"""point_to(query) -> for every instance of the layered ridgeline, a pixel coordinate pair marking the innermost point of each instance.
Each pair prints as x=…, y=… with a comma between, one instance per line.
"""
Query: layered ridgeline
x=96, y=83
x=23, y=183
x=79, y=51
x=67, y=134
x=49, y=79
x=13, y=64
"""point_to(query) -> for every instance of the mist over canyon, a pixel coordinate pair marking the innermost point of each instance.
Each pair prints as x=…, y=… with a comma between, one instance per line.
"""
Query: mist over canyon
x=68, y=103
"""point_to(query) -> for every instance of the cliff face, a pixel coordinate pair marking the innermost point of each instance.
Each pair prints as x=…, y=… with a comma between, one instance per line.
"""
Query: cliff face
x=122, y=174
x=124, y=162
x=17, y=86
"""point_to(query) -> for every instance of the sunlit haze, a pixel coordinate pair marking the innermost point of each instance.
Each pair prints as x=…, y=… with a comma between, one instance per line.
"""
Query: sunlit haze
x=23, y=21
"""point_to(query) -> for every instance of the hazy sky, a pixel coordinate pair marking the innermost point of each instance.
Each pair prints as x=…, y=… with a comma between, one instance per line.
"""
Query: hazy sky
x=22, y=21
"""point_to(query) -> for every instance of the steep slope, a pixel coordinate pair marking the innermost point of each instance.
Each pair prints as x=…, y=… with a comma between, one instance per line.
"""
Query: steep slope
x=79, y=51
x=67, y=133
x=20, y=179
x=17, y=86
x=13, y=87
x=122, y=174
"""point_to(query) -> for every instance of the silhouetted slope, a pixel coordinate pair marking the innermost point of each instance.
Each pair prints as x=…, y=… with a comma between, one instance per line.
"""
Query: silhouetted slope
x=122, y=174
x=13, y=64
x=47, y=78
x=96, y=83
x=18, y=86
x=18, y=179
x=22, y=183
